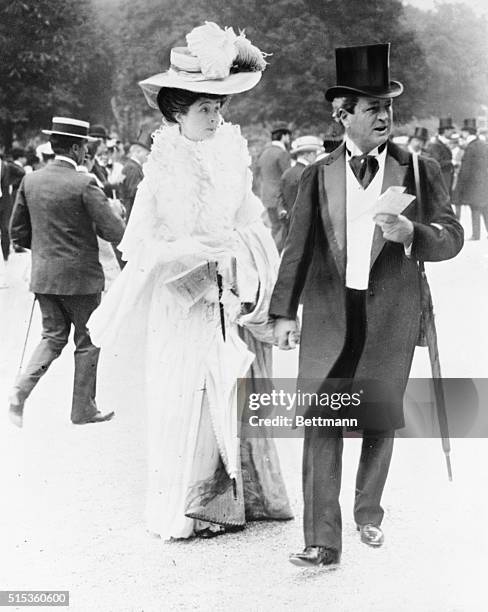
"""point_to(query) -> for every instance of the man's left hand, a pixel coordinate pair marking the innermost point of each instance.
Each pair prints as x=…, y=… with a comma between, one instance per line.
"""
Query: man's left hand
x=396, y=228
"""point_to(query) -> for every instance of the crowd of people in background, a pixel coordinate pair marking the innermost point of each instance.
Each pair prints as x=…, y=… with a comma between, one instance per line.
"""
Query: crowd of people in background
x=461, y=152
x=115, y=165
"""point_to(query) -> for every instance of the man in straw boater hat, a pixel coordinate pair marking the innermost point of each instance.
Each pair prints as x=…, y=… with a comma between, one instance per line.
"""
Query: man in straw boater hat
x=440, y=150
x=58, y=214
x=353, y=263
x=305, y=150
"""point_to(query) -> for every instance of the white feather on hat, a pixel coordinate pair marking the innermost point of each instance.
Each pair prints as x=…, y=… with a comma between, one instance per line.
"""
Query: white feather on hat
x=215, y=61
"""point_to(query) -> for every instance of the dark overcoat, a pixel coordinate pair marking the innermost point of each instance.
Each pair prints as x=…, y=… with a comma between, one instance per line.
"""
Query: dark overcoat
x=58, y=214
x=314, y=263
x=472, y=184
x=443, y=155
x=289, y=185
x=271, y=164
x=133, y=175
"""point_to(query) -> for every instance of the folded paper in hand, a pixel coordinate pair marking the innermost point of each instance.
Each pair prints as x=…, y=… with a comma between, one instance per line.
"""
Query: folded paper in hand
x=191, y=284
x=393, y=201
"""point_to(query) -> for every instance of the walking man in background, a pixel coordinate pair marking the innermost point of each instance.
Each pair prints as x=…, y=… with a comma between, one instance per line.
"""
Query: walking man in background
x=58, y=214
x=272, y=162
x=356, y=267
x=472, y=181
x=304, y=150
x=440, y=150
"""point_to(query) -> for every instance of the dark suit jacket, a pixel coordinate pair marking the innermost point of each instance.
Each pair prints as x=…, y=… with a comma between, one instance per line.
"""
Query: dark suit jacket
x=11, y=175
x=443, y=155
x=472, y=183
x=289, y=185
x=133, y=175
x=58, y=214
x=314, y=263
x=272, y=162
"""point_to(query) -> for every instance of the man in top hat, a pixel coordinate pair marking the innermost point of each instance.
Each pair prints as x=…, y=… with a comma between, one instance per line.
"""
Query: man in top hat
x=354, y=266
x=472, y=181
x=440, y=150
x=416, y=143
x=58, y=214
x=304, y=150
x=272, y=162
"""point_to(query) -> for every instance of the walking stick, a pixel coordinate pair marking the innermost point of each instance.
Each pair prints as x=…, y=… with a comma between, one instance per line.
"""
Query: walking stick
x=27, y=335
x=431, y=341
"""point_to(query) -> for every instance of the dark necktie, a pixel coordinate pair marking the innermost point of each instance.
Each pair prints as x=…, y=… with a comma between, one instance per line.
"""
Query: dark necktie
x=364, y=168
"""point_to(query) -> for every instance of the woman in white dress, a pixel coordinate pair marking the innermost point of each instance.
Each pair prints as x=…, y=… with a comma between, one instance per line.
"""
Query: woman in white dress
x=200, y=267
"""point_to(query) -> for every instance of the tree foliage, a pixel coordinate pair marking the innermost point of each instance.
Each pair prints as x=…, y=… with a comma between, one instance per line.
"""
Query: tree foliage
x=48, y=51
x=56, y=57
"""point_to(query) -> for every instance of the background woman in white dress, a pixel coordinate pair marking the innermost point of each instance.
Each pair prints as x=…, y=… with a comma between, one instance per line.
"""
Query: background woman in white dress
x=193, y=298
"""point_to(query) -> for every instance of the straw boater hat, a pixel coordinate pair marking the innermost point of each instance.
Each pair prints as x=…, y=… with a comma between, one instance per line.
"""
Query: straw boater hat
x=364, y=71
x=215, y=61
x=304, y=144
x=74, y=128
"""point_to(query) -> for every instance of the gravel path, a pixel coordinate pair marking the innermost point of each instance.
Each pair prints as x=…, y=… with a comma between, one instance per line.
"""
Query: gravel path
x=73, y=498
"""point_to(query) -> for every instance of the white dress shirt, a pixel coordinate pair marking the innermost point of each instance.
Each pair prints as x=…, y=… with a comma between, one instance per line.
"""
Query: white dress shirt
x=360, y=226
x=66, y=159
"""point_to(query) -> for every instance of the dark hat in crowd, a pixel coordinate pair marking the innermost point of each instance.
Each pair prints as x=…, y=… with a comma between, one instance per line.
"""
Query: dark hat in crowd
x=280, y=128
x=469, y=124
x=143, y=140
x=65, y=126
x=364, y=71
x=445, y=123
x=98, y=132
x=421, y=133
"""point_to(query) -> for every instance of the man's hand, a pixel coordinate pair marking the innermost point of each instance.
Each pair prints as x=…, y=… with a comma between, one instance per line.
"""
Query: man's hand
x=282, y=214
x=396, y=228
x=286, y=333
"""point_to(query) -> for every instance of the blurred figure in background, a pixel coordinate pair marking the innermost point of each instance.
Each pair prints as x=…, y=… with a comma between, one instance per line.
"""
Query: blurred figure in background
x=472, y=182
x=272, y=162
x=132, y=173
x=439, y=149
x=45, y=154
x=11, y=175
x=417, y=142
x=304, y=150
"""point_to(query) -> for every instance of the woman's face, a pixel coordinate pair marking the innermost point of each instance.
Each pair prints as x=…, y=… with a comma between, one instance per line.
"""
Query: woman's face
x=201, y=120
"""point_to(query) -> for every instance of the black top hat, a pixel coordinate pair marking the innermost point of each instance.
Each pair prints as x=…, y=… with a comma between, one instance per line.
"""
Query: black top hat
x=469, y=124
x=421, y=133
x=446, y=123
x=365, y=71
x=98, y=131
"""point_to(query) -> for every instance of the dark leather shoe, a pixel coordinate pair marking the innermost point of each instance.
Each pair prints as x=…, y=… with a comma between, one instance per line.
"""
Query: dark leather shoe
x=317, y=556
x=98, y=417
x=371, y=535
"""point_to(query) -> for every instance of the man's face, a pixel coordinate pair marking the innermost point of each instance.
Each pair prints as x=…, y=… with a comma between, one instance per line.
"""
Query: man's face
x=370, y=124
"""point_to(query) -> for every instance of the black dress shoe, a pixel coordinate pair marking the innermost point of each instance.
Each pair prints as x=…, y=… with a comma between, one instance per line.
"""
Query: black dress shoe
x=317, y=556
x=371, y=535
x=98, y=417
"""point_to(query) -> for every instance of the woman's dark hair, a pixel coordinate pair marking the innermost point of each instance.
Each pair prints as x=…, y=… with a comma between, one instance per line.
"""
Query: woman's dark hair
x=172, y=101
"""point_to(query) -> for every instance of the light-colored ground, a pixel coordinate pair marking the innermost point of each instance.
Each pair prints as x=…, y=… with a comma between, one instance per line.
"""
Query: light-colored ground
x=72, y=499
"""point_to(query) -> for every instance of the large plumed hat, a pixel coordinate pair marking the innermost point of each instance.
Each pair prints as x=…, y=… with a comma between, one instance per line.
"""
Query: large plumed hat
x=215, y=61
x=75, y=128
x=364, y=71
